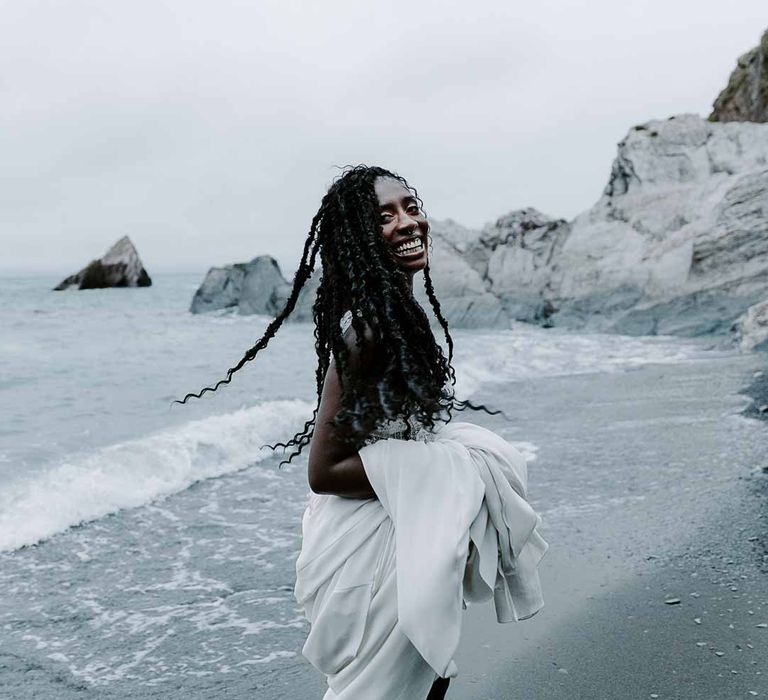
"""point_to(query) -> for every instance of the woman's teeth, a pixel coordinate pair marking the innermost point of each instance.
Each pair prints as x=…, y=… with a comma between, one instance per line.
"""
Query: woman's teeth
x=410, y=248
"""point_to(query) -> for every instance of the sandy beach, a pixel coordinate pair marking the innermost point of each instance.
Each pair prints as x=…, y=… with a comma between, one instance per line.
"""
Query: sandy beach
x=661, y=590
x=656, y=582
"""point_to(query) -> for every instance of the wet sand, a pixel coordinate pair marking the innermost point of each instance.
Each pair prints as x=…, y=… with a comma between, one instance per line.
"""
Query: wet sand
x=656, y=583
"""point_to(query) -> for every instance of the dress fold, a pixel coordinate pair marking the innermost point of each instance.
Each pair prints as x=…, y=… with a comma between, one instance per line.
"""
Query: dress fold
x=383, y=581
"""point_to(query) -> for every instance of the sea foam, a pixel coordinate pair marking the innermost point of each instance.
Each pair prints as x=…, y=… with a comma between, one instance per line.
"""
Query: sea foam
x=526, y=352
x=88, y=486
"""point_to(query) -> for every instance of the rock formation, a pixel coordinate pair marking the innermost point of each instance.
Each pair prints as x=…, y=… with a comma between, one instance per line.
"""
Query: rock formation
x=515, y=256
x=752, y=328
x=256, y=287
x=120, y=267
x=745, y=98
x=678, y=244
x=465, y=297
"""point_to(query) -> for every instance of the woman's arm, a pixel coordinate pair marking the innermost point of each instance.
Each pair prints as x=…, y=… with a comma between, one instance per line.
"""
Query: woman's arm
x=335, y=467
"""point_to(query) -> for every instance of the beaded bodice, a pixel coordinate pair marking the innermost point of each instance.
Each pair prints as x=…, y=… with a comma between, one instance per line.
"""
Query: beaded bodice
x=399, y=429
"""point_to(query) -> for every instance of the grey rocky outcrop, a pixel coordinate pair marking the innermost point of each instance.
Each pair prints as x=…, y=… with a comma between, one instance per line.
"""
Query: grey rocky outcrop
x=752, y=327
x=516, y=256
x=745, y=98
x=120, y=267
x=678, y=243
x=255, y=287
x=465, y=298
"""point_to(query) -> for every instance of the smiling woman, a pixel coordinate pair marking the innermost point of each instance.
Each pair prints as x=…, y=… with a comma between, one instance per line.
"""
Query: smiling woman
x=371, y=234
x=383, y=379
x=403, y=223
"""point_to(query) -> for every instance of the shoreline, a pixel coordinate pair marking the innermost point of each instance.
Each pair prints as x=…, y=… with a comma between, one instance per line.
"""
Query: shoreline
x=612, y=626
x=633, y=469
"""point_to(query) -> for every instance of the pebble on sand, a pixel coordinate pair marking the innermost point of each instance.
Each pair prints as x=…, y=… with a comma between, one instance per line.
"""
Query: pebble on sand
x=672, y=601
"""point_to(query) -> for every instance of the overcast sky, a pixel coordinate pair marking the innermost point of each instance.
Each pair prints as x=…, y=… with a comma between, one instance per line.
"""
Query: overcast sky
x=208, y=131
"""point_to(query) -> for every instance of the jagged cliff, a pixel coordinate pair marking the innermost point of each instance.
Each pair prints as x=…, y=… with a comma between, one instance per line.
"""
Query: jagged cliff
x=745, y=98
x=677, y=244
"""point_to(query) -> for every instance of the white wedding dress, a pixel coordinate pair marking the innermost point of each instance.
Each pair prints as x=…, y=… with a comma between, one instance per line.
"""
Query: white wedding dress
x=383, y=581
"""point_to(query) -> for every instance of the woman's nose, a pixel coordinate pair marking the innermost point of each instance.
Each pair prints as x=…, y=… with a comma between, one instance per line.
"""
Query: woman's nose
x=407, y=223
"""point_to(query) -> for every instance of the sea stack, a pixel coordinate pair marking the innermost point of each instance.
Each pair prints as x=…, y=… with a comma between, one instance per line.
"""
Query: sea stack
x=120, y=267
x=255, y=287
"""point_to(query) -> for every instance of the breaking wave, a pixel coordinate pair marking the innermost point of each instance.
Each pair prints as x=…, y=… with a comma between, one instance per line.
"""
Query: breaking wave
x=88, y=486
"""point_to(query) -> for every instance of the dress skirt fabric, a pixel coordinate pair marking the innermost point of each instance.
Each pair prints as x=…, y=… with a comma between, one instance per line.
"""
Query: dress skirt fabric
x=383, y=581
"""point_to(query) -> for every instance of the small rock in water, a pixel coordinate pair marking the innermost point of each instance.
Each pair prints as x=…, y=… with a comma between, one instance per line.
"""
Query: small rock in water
x=672, y=601
x=120, y=267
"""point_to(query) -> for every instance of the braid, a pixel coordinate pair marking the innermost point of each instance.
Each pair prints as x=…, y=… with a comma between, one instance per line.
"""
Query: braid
x=359, y=273
x=439, y=315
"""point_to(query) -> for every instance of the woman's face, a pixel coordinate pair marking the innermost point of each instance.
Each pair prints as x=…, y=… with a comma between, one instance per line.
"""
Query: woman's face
x=403, y=224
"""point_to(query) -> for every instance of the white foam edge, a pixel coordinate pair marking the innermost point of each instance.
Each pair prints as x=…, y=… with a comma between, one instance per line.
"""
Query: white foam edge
x=85, y=487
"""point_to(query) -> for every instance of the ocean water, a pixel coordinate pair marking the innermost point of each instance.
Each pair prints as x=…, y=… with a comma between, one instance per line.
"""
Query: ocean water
x=147, y=550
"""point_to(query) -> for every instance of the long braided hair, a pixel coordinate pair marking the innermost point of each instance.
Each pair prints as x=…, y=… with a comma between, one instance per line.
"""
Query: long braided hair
x=360, y=274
